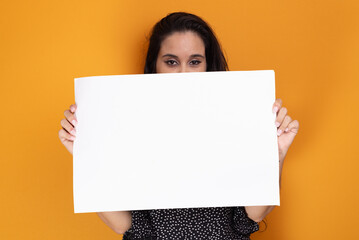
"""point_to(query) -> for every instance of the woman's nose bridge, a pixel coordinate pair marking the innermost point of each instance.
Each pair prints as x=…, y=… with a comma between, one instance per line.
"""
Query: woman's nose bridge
x=183, y=68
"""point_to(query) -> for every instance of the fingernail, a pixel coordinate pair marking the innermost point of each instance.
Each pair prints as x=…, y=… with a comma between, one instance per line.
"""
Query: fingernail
x=279, y=132
x=275, y=109
x=286, y=130
x=277, y=124
x=72, y=109
x=73, y=132
x=74, y=122
x=72, y=138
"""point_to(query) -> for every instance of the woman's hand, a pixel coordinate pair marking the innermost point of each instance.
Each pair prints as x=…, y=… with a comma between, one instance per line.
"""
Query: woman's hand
x=287, y=128
x=67, y=134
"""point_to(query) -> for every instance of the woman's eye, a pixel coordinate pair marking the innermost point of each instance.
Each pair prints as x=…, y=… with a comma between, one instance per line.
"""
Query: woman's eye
x=195, y=62
x=170, y=62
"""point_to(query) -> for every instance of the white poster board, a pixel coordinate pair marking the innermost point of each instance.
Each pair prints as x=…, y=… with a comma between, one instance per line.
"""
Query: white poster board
x=175, y=140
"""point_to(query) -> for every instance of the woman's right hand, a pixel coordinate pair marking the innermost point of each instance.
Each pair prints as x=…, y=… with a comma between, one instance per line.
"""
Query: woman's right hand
x=67, y=134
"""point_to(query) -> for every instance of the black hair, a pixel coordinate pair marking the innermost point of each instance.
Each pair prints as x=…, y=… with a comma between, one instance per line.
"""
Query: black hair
x=182, y=22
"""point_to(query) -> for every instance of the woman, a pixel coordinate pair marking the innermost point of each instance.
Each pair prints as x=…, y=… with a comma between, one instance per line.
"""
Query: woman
x=183, y=42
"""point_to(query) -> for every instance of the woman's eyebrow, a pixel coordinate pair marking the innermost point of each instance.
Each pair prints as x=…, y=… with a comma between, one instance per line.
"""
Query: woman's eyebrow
x=170, y=55
x=174, y=56
x=196, y=55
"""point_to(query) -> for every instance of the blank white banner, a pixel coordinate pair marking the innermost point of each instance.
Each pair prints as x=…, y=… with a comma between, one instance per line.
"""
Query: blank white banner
x=175, y=140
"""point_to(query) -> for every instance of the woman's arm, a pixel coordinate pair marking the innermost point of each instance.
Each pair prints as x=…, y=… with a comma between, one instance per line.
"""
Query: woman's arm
x=118, y=221
x=287, y=130
x=258, y=213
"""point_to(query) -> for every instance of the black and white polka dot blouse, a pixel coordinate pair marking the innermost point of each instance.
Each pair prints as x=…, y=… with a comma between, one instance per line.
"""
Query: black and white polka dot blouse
x=214, y=223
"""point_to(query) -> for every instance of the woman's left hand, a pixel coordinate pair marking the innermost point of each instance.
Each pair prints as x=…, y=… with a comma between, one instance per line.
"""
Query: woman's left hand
x=287, y=128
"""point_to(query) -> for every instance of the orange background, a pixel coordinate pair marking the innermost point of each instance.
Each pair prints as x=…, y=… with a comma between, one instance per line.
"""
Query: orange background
x=313, y=45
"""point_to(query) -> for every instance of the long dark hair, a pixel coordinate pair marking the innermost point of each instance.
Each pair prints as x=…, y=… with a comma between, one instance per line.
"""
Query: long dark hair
x=181, y=22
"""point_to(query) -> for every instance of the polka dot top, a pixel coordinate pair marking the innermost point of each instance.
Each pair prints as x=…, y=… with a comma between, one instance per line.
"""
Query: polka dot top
x=215, y=223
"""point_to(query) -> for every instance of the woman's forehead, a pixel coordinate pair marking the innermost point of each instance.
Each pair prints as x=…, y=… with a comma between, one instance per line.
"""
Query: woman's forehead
x=182, y=44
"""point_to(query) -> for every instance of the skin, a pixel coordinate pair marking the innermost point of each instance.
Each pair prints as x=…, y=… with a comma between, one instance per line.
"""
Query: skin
x=185, y=52
x=181, y=52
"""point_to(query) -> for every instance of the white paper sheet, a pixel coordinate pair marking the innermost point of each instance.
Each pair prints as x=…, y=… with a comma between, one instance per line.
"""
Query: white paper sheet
x=175, y=140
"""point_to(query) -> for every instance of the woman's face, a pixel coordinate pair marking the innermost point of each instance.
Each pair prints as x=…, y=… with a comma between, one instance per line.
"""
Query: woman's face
x=181, y=52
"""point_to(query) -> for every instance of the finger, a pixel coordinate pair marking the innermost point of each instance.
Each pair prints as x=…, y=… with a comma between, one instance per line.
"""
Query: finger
x=73, y=108
x=293, y=126
x=280, y=117
x=70, y=117
x=277, y=105
x=63, y=135
x=68, y=127
x=284, y=125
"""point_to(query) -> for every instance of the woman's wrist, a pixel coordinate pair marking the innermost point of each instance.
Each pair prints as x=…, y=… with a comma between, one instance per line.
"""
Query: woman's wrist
x=282, y=156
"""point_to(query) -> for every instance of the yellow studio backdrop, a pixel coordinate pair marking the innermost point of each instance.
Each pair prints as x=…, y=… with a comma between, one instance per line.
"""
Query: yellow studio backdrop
x=313, y=46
